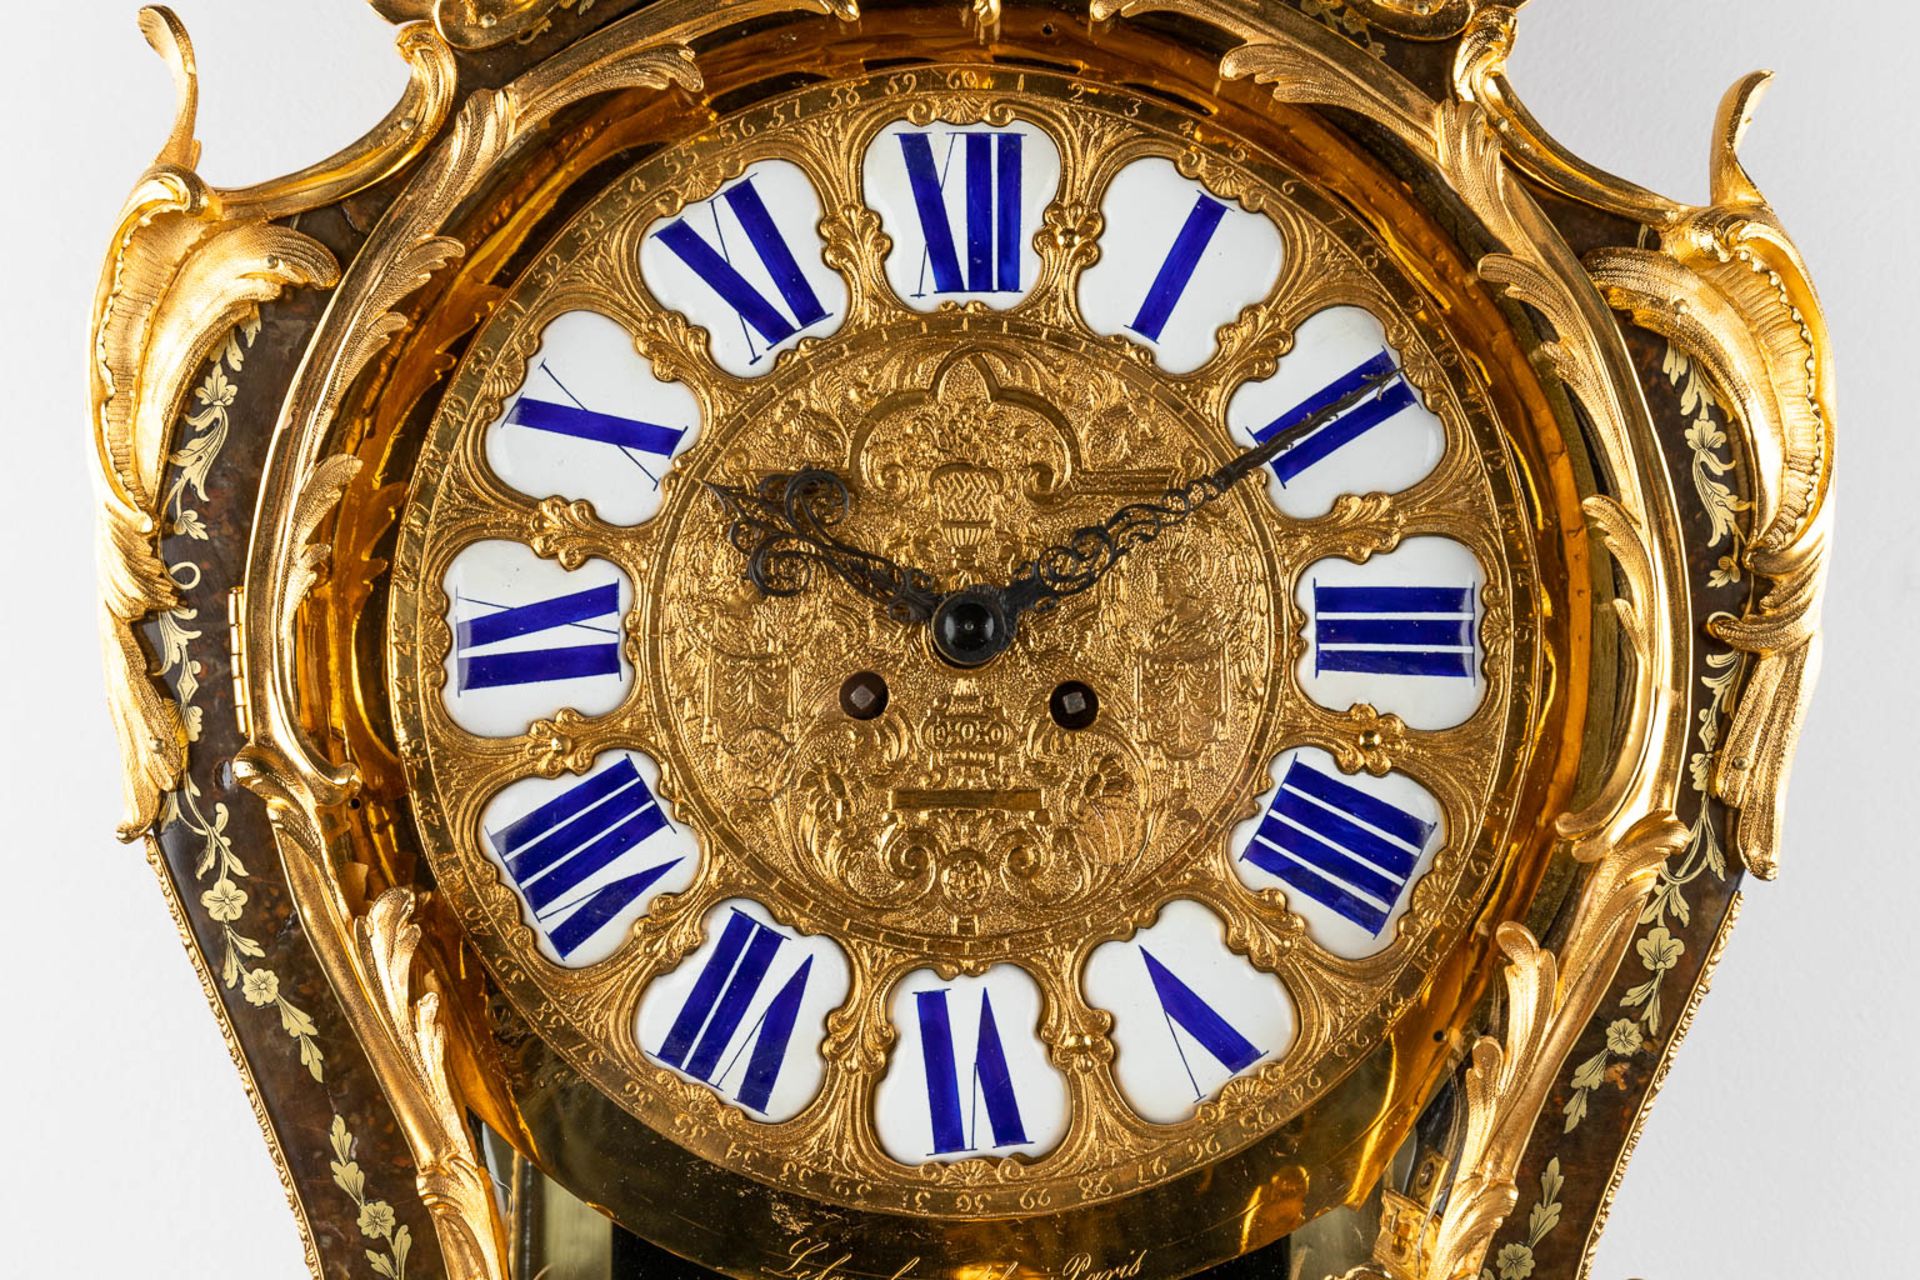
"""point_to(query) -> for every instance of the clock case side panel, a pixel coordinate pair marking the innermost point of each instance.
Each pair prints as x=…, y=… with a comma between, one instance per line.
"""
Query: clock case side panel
x=1594, y=1112
x=1743, y=406
x=318, y=1100
x=207, y=303
x=1728, y=344
x=344, y=1164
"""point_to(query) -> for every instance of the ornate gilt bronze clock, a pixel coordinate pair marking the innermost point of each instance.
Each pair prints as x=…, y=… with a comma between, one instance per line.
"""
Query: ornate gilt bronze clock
x=942, y=641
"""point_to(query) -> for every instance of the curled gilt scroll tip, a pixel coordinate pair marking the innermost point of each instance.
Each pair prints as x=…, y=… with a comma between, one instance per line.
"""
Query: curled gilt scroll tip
x=168, y=36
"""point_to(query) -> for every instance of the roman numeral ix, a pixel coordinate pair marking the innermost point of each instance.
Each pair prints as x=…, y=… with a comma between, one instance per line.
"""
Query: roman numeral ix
x=537, y=666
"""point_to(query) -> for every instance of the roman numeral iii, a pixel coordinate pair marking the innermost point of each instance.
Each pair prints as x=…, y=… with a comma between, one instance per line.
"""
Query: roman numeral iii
x=1399, y=631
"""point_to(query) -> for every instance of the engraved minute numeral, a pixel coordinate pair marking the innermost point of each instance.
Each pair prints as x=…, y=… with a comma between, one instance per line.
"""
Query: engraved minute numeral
x=1349, y=851
x=746, y=264
x=743, y=1015
x=591, y=855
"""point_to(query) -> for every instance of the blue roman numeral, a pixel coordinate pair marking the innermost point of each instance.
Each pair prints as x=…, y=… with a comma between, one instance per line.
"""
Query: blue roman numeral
x=709, y=1021
x=537, y=666
x=573, y=837
x=629, y=435
x=1202, y=1021
x=716, y=268
x=992, y=211
x=1177, y=269
x=1338, y=845
x=1390, y=399
x=605, y=428
x=1397, y=631
x=992, y=1081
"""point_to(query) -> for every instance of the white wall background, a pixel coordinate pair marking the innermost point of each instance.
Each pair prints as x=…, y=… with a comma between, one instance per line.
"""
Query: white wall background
x=1784, y=1145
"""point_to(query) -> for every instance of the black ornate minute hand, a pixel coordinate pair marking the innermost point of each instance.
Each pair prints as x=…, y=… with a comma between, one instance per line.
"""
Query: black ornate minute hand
x=784, y=527
x=976, y=623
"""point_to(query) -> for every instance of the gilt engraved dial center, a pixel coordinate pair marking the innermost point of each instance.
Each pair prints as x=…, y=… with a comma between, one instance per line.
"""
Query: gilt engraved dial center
x=979, y=815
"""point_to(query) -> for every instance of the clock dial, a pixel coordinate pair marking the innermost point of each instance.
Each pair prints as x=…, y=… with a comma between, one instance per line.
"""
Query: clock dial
x=817, y=905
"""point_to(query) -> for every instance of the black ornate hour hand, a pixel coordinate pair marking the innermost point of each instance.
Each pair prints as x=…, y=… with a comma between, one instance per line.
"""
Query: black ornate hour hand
x=976, y=623
x=784, y=526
